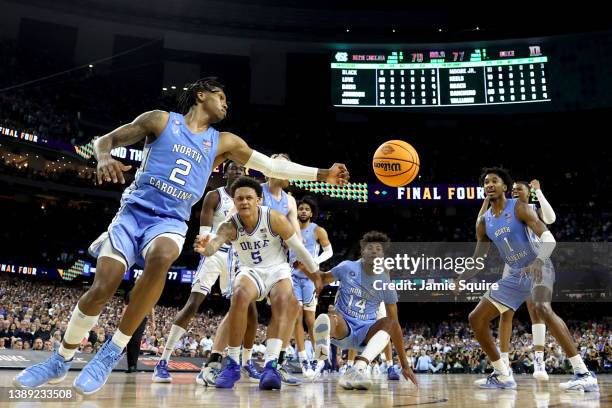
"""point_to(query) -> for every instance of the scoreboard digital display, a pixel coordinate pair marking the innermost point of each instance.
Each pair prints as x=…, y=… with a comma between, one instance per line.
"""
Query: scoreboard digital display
x=440, y=77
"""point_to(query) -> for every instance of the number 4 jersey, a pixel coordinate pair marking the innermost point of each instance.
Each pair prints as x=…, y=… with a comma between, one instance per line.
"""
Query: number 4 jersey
x=174, y=170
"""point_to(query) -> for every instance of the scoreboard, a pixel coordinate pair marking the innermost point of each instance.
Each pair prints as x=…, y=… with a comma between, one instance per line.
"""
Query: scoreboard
x=440, y=78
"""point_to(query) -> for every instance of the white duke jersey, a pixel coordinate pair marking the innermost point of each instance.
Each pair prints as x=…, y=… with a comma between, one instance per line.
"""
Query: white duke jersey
x=223, y=209
x=262, y=248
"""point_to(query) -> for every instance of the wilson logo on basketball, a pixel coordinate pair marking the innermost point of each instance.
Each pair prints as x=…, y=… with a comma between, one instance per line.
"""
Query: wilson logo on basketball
x=396, y=163
x=388, y=166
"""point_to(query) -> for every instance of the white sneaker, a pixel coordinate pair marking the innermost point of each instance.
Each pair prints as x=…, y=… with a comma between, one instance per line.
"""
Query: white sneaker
x=496, y=380
x=306, y=369
x=321, y=330
x=586, y=382
x=355, y=379
x=539, y=371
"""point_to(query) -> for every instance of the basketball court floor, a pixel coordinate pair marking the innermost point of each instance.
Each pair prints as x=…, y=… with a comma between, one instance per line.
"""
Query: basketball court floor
x=136, y=390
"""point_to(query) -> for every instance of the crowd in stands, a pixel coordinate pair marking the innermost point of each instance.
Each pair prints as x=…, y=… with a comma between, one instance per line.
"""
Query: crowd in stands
x=34, y=315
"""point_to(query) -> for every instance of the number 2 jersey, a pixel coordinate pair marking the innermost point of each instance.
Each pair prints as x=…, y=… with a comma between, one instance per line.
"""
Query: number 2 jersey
x=359, y=295
x=260, y=248
x=174, y=171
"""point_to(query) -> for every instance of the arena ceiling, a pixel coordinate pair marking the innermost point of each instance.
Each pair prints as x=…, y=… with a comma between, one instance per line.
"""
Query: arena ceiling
x=344, y=21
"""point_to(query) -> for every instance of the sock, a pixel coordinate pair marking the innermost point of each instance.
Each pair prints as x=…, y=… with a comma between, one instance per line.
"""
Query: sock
x=66, y=353
x=233, y=353
x=377, y=343
x=302, y=355
x=281, y=357
x=539, y=357
x=120, y=339
x=350, y=363
x=500, y=367
x=246, y=356
x=538, y=332
x=176, y=332
x=78, y=328
x=578, y=365
x=504, y=356
x=214, y=360
x=273, y=351
x=383, y=357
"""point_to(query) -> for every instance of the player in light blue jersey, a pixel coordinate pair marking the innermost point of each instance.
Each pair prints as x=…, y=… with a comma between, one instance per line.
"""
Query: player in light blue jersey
x=354, y=324
x=180, y=151
x=507, y=224
x=521, y=190
x=314, y=237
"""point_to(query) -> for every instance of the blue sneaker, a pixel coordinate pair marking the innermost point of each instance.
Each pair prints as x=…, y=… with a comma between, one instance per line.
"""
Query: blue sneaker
x=51, y=371
x=495, y=380
x=95, y=374
x=270, y=377
x=160, y=372
x=229, y=375
x=250, y=372
x=392, y=374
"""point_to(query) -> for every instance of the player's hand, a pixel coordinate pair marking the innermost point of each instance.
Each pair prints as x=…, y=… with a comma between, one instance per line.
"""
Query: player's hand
x=409, y=375
x=200, y=243
x=111, y=170
x=535, y=183
x=318, y=281
x=300, y=266
x=534, y=270
x=338, y=174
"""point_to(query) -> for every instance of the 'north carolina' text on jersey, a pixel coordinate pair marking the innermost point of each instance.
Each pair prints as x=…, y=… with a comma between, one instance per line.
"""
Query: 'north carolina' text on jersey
x=510, y=236
x=175, y=170
x=357, y=297
x=260, y=248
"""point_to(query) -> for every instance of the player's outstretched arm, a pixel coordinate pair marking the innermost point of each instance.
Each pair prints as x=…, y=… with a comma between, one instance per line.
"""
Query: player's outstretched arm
x=483, y=209
x=546, y=212
x=398, y=341
x=525, y=215
x=209, y=244
x=323, y=239
x=232, y=147
x=149, y=124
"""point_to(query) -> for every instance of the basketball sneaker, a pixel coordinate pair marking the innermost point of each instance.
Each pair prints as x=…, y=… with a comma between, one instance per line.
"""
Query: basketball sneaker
x=95, y=374
x=586, y=382
x=160, y=372
x=392, y=374
x=496, y=380
x=322, y=328
x=539, y=370
x=307, y=369
x=52, y=371
x=286, y=377
x=271, y=378
x=229, y=375
x=249, y=372
x=355, y=379
x=210, y=374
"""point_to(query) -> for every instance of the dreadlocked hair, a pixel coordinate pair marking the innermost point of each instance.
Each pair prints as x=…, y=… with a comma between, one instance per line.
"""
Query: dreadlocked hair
x=188, y=98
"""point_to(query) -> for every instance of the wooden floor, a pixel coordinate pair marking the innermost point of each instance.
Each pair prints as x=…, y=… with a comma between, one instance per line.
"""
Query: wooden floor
x=136, y=390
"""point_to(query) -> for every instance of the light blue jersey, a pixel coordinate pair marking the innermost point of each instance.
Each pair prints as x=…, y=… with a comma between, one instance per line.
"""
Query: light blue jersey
x=510, y=236
x=357, y=296
x=282, y=205
x=311, y=244
x=174, y=171
x=358, y=299
x=171, y=179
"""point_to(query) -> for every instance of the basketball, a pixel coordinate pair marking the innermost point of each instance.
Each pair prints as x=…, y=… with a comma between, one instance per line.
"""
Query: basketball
x=396, y=163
